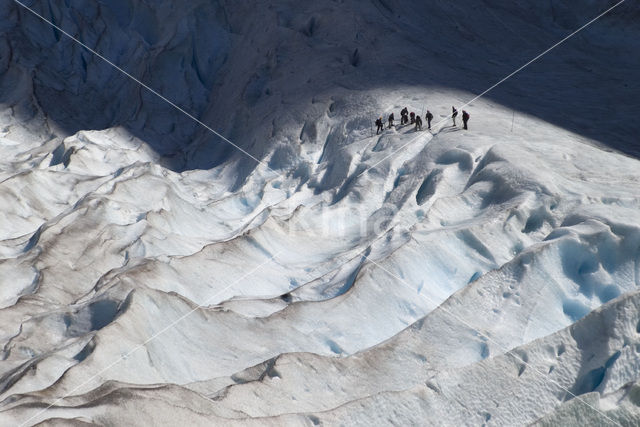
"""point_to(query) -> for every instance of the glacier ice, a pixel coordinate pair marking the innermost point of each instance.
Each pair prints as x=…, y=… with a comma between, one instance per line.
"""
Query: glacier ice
x=151, y=273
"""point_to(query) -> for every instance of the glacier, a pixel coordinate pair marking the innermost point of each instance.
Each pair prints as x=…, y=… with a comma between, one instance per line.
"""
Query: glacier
x=151, y=273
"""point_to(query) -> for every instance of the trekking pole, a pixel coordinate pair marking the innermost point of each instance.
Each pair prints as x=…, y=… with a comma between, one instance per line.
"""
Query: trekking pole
x=512, y=119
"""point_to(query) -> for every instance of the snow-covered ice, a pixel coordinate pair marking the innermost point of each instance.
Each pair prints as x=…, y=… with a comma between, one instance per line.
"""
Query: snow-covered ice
x=150, y=273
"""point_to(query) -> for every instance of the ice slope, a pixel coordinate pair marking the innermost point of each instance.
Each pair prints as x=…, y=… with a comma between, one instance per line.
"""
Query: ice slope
x=339, y=284
x=244, y=72
x=596, y=358
x=539, y=257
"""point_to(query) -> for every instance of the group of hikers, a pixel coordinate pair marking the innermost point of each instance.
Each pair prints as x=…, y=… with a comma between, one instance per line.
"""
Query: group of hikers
x=411, y=118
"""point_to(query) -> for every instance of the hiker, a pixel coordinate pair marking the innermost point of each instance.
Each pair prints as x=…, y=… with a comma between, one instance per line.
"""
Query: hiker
x=403, y=116
x=413, y=117
x=429, y=117
x=465, y=118
x=454, y=114
x=380, y=125
x=391, y=119
x=418, y=123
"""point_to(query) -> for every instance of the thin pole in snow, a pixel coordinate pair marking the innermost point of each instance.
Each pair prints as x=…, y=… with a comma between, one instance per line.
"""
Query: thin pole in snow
x=512, y=119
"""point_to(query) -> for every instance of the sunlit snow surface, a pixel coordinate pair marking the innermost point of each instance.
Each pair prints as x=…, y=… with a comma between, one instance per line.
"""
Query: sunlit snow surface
x=481, y=276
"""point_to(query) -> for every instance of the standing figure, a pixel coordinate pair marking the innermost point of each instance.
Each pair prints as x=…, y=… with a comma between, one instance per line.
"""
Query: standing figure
x=429, y=117
x=413, y=117
x=418, y=123
x=403, y=116
x=391, y=119
x=454, y=114
x=465, y=118
x=380, y=125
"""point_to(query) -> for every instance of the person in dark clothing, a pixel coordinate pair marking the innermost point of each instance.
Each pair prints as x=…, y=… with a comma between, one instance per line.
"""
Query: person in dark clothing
x=429, y=117
x=391, y=119
x=413, y=117
x=380, y=125
x=465, y=118
x=454, y=114
x=418, y=123
x=404, y=119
